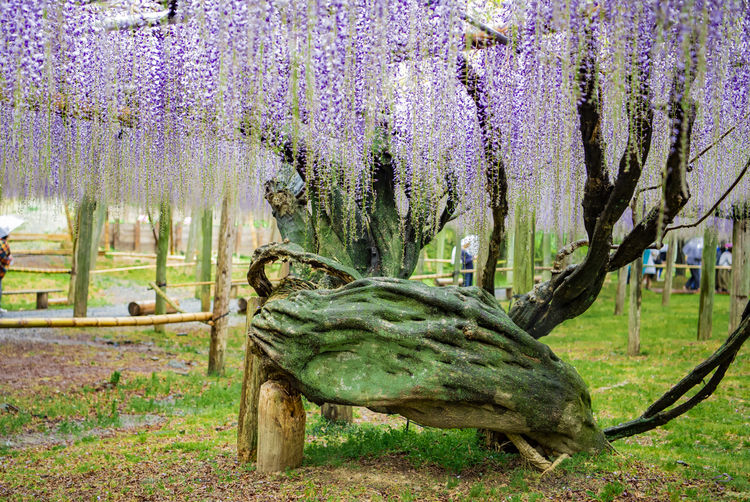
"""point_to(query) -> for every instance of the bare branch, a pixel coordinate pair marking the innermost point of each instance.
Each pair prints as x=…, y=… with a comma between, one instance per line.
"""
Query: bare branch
x=657, y=414
x=718, y=202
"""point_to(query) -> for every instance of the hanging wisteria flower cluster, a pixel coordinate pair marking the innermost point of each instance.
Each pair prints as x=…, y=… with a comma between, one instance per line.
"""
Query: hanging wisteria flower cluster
x=189, y=108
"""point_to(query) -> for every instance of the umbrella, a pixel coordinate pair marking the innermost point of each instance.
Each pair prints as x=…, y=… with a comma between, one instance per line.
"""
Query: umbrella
x=8, y=223
x=473, y=244
x=693, y=248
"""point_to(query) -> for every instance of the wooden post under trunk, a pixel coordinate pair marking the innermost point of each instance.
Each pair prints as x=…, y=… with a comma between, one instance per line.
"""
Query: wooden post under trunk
x=162, y=251
x=219, y=330
x=669, y=271
x=252, y=378
x=83, y=255
x=281, y=427
x=708, y=283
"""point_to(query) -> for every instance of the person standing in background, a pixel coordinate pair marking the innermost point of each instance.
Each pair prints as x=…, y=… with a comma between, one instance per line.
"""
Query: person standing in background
x=5, y=260
x=724, y=276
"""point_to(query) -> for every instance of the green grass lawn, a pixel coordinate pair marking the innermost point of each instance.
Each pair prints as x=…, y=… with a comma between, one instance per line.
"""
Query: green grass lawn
x=703, y=455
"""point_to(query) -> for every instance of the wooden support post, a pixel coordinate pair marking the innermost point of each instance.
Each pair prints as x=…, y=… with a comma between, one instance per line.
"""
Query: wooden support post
x=100, y=216
x=162, y=251
x=252, y=378
x=205, y=258
x=137, y=236
x=419, y=269
x=42, y=300
x=83, y=255
x=106, y=231
x=546, y=256
x=622, y=283
x=116, y=235
x=740, y=289
x=523, y=264
x=219, y=330
x=74, y=258
x=191, y=246
x=669, y=271
x=708, y=283
x=457, y=259
x=337, y=412
x=281, y=427
x=634, y=316
x=440, y=251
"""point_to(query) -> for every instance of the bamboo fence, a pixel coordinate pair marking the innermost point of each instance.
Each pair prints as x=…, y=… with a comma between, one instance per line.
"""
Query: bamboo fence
x=102, y=322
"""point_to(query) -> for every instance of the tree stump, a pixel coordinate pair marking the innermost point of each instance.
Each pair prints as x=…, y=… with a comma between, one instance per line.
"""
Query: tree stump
x=337, y=412
x=281, y=427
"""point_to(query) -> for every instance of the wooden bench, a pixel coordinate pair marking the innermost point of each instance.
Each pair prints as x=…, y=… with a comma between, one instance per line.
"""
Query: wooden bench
x=42, y=295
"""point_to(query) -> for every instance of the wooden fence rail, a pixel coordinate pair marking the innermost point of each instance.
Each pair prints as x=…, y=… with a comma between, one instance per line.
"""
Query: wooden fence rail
x=102, y=322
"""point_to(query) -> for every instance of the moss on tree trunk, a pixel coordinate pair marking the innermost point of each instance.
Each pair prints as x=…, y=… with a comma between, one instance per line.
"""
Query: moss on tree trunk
x=444, y=357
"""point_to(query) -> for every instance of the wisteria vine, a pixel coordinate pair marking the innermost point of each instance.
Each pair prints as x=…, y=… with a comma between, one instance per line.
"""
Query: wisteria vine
x=183, y=110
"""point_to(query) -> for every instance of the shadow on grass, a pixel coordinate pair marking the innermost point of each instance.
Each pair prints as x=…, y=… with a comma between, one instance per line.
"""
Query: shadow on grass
x=454, y=450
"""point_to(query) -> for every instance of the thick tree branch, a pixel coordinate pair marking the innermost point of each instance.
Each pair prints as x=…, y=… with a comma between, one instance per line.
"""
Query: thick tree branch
x=675, y=193
x=497, y=183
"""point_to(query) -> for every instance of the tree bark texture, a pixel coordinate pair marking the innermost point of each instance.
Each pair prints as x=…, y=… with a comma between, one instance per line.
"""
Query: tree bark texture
x=205, y=258
x=740, y=270
x=622, y=286
x=669, y=271
x=83, y=255
x=253, y=377
x=281, y=427
x=443, y=357
x=162, y=251
x=708, y=284
x=219, y=330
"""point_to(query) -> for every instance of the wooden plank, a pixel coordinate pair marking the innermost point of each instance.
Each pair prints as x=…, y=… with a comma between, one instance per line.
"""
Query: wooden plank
x=39, y=270
x=20, y=236
x=32, y=291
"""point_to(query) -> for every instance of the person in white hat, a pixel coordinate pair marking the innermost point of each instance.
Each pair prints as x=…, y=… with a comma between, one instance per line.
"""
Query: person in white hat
x=5, y=260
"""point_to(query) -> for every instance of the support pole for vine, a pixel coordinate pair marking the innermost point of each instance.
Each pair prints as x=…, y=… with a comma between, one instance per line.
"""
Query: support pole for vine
x=162, y=251
x=708, y=283
x=740, y=289
x=218, y=344
x=622, y=286
x=205, y=258
x=83, y=256
x=669, y=271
